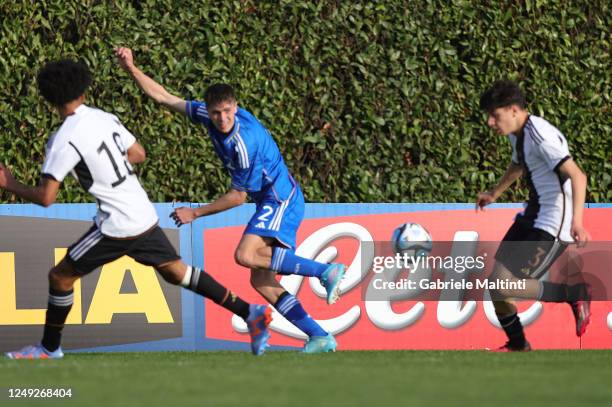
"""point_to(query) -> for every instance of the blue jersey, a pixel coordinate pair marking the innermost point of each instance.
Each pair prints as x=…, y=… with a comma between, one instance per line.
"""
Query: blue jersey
x=249, y=153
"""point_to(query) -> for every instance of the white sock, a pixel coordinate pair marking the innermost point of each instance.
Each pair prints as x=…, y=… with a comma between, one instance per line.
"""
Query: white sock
x=187, y=277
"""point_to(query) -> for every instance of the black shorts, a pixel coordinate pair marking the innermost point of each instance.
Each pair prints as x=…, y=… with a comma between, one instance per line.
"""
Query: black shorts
x=93, y=250
x=527, y=251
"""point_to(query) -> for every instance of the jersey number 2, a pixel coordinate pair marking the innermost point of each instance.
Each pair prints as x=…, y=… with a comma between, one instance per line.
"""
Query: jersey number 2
x=104, y=147
x=264, y=217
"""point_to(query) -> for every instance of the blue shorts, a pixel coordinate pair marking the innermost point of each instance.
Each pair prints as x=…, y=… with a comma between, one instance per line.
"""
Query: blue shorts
x=278, y=219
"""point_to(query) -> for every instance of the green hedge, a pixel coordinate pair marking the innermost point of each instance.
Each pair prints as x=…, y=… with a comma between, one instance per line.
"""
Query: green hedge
x=369, y=101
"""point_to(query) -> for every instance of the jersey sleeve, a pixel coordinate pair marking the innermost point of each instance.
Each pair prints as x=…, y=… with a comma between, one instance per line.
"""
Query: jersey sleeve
x=554, y=151
x=248, y=169
x=197, y=112
x=60, y=160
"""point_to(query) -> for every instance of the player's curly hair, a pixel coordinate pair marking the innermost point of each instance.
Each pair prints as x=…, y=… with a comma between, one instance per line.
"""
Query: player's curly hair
x=219, y=92
x=502, y=93
x=63, y=81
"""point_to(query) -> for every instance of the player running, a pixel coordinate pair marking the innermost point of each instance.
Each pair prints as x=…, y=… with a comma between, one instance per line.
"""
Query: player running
x=257, y=170
x=100, y=153
x=551, y=220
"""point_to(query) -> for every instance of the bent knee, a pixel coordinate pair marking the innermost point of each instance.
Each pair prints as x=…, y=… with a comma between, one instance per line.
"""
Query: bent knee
x=244, y=257
x=55, y=277
x=62, y=276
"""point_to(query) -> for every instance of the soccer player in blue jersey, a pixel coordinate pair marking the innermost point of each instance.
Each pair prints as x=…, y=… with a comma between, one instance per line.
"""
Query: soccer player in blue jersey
x=258, y=171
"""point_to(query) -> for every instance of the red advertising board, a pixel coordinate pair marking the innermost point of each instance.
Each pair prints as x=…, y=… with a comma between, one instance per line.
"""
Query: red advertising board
x=358, y=324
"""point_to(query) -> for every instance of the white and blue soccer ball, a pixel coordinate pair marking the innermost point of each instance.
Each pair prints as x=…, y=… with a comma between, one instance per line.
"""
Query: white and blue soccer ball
x=411, y=238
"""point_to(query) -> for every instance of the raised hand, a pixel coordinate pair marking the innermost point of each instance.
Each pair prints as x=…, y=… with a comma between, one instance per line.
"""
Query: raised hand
x=124, y=58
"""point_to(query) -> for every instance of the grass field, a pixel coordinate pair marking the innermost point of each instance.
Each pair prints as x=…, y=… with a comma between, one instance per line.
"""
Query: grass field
x=432, y=378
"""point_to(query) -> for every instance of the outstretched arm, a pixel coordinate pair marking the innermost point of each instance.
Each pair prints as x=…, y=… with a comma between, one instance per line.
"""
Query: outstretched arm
x=513, y=172
x=43, y=194
x=151, y=88
x=227, y=201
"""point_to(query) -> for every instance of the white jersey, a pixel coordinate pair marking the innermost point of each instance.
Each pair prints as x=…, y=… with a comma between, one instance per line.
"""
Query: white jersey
x=92, y=145
x=541, y=150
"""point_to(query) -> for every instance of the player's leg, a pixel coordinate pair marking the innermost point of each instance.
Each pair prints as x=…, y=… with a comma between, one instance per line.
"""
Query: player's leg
x=264, y=282
x=273, y=226
x=535, y=289
x=507, y=315
x=279, y=221
x=86, y=254
x=527, y=253
x=200, y=282
x=252, y=253
x=155, y=250
x=505, y=258
x=529, y=260
x=61, y=295
x=319, y=340
x=61, y=282
x=572, y=290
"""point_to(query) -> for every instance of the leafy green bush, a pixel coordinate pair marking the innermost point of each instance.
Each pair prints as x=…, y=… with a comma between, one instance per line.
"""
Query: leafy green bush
x=369, y=101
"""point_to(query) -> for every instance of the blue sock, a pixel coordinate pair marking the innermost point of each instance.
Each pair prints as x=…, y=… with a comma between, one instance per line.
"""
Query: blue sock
x=285, y=261
x=290, y=308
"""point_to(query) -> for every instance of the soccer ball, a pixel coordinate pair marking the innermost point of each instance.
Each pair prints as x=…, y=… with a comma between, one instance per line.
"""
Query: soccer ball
x=412, y=238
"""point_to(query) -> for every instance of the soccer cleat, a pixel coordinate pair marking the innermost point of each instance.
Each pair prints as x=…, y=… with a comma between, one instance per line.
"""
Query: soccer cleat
x=330, y=279
x=35, y=352
x=320, y=344
x=259, y=318
x=582, y=314
x=508, y=348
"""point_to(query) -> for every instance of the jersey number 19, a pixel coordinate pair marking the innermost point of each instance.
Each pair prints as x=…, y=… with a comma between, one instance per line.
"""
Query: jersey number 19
x=128, y=167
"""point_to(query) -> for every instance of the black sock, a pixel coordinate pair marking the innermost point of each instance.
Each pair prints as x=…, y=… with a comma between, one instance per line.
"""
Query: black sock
x=514, y=330
x=577, y=292
x=202, y=283
x=553, y=292
x=60, y=303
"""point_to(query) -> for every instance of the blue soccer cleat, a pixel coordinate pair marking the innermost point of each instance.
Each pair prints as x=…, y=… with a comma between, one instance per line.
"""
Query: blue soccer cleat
x=320, y=344
x=259, y=318
x=35, y=352
x=330, y=279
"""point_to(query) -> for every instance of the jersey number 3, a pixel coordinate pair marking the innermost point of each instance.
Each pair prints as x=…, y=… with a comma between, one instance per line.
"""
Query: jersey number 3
x=128, y=167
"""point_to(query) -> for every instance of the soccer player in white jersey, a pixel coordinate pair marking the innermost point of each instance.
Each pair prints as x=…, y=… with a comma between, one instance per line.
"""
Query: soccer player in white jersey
x=99, y=151
x=551, y=220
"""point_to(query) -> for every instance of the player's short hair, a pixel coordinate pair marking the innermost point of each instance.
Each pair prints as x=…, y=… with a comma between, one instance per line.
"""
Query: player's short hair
x=502, y=93
x=219, y=92
x=63, y=81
